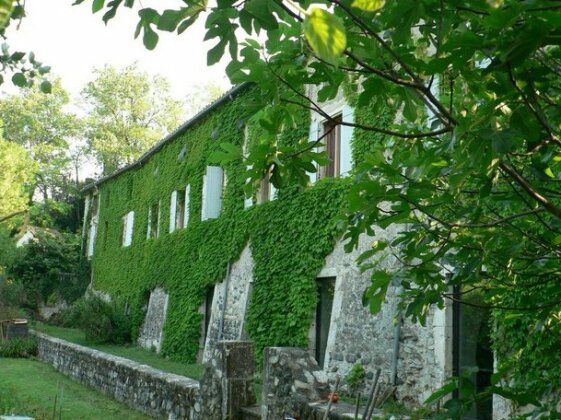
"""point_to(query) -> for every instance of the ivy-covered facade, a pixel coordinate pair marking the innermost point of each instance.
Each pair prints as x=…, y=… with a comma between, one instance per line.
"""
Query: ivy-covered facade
x=271, y=269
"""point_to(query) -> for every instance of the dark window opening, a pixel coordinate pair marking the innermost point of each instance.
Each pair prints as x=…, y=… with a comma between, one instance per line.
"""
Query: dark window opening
x=325, y=293
x=209, y=296
x=264, y=190
x=471, y=348
x=154, y=221
x=332, y=141
x=180, y=210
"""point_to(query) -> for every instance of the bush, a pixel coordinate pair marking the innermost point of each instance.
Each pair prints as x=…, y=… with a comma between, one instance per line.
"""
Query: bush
x=19, y=347
x=104, y=322
x=71, y=317
x=51, y=266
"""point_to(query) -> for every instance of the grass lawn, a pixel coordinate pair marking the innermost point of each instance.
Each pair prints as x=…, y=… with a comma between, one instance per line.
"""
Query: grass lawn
x=135, y=353
x=29, y=387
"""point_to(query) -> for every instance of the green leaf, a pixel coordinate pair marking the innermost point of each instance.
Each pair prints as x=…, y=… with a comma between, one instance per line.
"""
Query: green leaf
x=325, y=33
x=6, y=7
x=19, y=79
x=46, y=86
x=549, y=172
x=215, y=53
x=441, y=392
x=150, y=38
x=368, y=5
x=97, y=5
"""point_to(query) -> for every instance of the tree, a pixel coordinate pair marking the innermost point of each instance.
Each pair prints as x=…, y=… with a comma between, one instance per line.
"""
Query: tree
x=468, y=164
x=200, y=96
x=17, y=173
x=40, y=124
x=129, y=113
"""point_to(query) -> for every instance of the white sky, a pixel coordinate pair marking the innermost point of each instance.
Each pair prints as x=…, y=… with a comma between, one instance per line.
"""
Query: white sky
x=73, y=41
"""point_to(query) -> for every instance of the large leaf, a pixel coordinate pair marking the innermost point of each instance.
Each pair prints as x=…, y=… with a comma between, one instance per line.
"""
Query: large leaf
x=368, y=5
x=6, y=7
x=325, y=33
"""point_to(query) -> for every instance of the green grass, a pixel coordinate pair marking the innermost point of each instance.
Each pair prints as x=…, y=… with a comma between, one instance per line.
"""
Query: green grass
x=29, y=387
x=135, y=353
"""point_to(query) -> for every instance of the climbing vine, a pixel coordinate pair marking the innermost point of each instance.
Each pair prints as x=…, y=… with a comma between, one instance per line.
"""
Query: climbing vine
x=289, y=237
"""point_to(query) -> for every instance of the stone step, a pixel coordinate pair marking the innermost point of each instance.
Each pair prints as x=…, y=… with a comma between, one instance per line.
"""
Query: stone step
x=251, y=413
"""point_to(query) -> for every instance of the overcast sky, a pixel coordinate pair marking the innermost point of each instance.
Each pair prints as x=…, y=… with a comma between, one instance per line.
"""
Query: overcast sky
x=73, y=41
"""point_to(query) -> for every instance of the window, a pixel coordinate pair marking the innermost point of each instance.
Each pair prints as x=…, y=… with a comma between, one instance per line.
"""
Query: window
x=209, y=296
x=128, y=223
x=263, y=195
x=153, y=221
x=325, y=293
x=471, y=347
x=267, y=191
x=332, y=140
x=179, y=209
x=213, y=184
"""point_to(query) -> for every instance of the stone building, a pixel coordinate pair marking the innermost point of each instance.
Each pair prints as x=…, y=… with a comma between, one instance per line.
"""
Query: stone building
x=175, y=240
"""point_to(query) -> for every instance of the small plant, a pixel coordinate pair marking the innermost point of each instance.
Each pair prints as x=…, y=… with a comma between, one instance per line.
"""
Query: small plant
x=355, y=377
x=19, y=347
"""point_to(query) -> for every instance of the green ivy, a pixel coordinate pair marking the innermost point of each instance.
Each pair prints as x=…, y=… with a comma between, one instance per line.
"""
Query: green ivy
x=289, y=237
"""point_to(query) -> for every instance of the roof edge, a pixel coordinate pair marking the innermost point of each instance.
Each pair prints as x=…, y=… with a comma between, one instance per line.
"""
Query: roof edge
x=227, y=97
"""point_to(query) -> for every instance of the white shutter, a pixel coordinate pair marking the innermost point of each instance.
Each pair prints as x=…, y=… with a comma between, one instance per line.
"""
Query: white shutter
x=212, y=192
x=272, y=191
x=346, y=156
x=148, y=230
x=91, y=239
x=172, y=211
x=129, y=228
x=314, y=135
x=186, y=209
x=93, y=225
x=204, y=199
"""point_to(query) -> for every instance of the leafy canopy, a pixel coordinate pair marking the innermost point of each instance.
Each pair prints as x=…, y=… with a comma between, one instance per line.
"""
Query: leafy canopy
x=128, y=113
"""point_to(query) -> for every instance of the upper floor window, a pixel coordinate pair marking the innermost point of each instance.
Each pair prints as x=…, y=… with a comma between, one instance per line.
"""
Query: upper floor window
x=267, y=191
x=153, y=221
x=331, y=131
x=213, y=185
x=179, y=209
x=128, y=223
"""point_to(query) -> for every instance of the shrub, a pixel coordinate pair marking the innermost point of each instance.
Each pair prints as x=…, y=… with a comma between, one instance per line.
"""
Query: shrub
x=104, y=322
x=19, y=347
x=51, y=266
x=71, y=317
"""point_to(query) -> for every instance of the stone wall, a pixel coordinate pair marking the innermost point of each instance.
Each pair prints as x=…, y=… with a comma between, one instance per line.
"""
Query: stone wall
x=357, y=336
x=149, y=390
x=151, y=332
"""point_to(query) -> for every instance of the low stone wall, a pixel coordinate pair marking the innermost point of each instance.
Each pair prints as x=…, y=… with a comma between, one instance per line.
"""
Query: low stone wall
x=143, y=388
